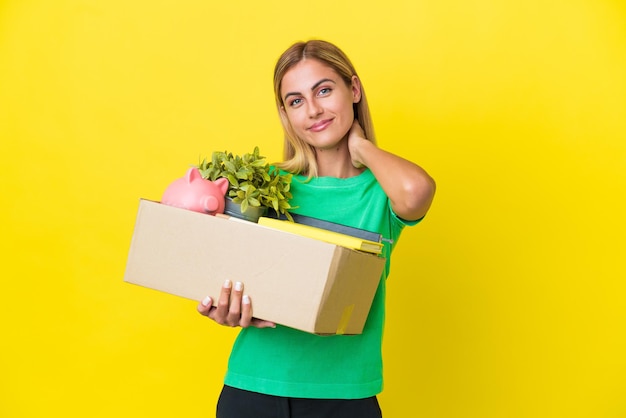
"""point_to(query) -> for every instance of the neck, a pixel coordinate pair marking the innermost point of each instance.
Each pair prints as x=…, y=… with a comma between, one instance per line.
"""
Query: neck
x=336, y=162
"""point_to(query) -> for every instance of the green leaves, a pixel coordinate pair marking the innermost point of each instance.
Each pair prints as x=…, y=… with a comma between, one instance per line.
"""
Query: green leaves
x=252, y=182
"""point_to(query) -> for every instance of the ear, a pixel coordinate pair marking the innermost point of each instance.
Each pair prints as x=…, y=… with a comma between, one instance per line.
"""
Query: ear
x=356, y=89
x=192, y=174
x=222, y=184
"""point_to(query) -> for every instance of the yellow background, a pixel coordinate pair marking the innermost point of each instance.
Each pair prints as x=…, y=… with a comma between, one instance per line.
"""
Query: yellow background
x=507, y=301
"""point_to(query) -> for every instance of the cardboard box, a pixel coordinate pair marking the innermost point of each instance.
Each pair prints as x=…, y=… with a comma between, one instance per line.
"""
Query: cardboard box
x=292, y=280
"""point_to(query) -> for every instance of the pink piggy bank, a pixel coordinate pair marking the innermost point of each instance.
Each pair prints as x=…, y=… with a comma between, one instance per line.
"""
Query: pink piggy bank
x=192, y=192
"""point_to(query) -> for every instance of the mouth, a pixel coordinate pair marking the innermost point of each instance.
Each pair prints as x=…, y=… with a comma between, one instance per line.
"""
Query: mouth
x=320, y=126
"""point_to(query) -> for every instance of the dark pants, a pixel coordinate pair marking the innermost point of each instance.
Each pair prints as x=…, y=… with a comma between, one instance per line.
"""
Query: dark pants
x=237, y=403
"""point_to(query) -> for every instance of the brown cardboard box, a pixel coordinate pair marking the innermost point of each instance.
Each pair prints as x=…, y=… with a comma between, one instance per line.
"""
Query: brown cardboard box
x=292, y=280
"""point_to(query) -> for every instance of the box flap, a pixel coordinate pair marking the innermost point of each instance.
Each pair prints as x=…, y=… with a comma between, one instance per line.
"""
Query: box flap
x=347, y=299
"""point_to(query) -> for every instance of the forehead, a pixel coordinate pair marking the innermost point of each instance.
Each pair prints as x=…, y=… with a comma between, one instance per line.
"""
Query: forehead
x=305, y=74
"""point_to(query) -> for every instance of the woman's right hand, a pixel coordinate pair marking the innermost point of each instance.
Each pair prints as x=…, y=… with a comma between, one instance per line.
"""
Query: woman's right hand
x=233, y=308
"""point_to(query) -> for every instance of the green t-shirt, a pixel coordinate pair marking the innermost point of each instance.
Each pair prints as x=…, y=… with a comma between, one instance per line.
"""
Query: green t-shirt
x=283, y=361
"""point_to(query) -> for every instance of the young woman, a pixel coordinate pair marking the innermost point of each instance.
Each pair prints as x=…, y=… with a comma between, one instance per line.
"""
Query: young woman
x=340, y=175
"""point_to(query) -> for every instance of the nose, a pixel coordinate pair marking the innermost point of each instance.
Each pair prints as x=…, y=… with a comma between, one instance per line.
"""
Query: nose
x=314, y=108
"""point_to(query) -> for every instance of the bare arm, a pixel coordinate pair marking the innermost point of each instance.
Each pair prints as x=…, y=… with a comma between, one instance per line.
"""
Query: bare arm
x=409, y=188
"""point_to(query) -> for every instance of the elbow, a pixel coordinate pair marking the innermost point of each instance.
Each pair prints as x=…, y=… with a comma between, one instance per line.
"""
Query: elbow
x=418, y=198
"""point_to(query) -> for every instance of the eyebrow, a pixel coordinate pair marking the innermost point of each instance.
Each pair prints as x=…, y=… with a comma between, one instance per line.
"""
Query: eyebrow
x=316, y=85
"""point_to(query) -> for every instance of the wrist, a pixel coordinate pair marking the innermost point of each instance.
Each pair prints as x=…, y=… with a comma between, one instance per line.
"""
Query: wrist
x=364, y=150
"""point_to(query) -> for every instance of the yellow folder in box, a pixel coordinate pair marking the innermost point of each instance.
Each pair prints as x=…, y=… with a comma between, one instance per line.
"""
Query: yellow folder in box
x=332, y=237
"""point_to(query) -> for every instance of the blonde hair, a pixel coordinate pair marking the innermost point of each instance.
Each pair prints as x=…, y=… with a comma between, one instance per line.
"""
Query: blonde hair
x=298, y=156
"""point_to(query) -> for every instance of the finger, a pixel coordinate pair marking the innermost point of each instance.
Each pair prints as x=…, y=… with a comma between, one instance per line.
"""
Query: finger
x=205, y=306
x=356, y=127
x=247, y=319
x=220, y=314
x=261, y=323
x=234, y=310
x=246, y=312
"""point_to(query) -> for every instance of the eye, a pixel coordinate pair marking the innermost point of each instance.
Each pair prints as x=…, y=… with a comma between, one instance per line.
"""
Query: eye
x=295, y=102
x=324, y=91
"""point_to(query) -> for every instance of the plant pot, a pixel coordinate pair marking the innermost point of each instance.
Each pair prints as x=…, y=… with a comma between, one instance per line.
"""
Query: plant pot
x=251, y=214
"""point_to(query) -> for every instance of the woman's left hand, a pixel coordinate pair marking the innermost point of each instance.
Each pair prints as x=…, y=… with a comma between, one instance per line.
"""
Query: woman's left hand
x=355, y=136
x=409, y=188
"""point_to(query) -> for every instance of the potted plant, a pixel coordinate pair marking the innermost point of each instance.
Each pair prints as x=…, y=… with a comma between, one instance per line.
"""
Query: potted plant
x=254, y=186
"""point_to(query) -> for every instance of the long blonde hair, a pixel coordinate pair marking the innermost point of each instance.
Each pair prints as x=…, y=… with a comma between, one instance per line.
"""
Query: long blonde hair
x=298, y=156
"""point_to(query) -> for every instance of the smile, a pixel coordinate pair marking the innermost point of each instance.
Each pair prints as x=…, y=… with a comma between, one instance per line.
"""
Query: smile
x=320, y=126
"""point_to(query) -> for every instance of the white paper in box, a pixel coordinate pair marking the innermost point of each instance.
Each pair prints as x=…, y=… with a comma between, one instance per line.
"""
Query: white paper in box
x=292, y=280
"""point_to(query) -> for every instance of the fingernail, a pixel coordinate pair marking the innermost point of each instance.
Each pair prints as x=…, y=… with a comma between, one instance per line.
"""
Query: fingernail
x=227, y=284
x=206, y=301
x=246, y=299
x=238, y=286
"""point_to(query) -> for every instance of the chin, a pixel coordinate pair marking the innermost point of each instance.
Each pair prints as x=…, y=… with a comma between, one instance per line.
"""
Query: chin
x=325, y=142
